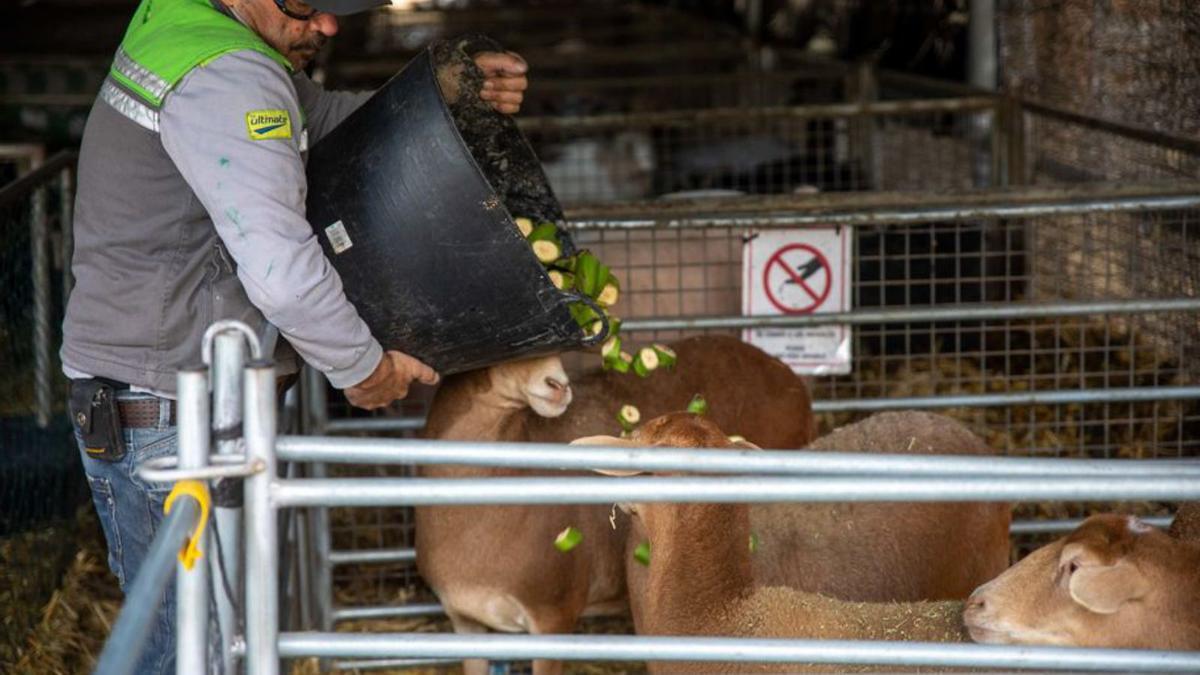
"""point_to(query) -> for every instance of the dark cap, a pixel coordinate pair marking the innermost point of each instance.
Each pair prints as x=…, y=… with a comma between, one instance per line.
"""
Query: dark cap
x=342, y=7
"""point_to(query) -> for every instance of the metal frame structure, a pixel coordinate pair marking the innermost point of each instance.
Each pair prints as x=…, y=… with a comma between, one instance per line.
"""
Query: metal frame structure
x=795, y=476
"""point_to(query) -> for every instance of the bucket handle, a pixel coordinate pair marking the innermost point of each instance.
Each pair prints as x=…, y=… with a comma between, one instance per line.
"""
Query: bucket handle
x=592, y=340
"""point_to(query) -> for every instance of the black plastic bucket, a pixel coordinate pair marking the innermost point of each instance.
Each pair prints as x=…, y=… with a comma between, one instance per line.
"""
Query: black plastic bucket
x=413, y=209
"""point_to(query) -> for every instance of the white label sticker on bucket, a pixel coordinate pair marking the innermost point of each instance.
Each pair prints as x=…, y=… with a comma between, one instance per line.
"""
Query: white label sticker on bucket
x=338, y=239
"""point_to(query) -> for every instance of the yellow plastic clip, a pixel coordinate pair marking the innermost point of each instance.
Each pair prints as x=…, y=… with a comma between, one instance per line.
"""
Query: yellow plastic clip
x=190, y=553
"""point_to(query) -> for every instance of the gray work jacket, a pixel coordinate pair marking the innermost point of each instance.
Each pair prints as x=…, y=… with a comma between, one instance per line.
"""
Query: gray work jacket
x=200, y=221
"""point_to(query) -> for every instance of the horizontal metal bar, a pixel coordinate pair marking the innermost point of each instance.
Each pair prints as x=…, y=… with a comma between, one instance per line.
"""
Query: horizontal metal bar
x=589, y=490
x=46, y=173
x=1165, y=140
x=380, y=664
x=1047, y=397
x=647, y=648
x=382, y=555
x=933, y=313
x=586, y=458
x=703, y=115
x=638, y=215
x=1069, y=524
x=1044, y=397
x=386, y=611
x=356, y=424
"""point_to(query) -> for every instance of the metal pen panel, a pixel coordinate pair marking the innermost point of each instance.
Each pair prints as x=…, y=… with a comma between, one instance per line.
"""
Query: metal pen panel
x=759, y=489
x=715, y=649
x=262, y=526
x=553, y=456
x=225, y=563
x=191, y=585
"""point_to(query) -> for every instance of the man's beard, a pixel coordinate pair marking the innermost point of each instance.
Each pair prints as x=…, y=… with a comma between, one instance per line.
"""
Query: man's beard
x=306, y=50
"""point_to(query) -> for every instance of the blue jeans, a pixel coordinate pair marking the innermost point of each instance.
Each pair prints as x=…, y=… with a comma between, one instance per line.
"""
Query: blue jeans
x=130, y=511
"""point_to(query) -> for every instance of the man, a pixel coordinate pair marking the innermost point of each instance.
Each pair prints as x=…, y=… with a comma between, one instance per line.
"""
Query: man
x=190, y=209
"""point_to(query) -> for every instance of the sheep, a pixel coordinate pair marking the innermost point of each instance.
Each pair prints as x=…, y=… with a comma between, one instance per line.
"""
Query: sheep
x=700, y=578
x=537, y=589
x=919, y=551
x=1113, y=582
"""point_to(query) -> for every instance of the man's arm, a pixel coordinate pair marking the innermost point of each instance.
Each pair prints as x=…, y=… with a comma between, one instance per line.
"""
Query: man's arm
x=325, y=109
x=233, y=129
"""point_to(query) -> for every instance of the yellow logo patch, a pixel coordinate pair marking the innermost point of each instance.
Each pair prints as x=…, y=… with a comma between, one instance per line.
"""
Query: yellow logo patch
x=264, y=125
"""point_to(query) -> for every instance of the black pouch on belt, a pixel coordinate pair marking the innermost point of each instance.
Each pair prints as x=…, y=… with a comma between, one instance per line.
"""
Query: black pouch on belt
x=95, y=413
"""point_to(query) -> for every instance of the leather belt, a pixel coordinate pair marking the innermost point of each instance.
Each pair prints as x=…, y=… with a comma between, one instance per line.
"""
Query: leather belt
x=143, y=413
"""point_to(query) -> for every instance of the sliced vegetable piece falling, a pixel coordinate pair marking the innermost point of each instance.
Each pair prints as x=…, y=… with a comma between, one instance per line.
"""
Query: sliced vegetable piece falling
x=753, y=543
x=666, y=355
x=545, y=243
x=629, y=416
x=646, y=361
x=525, y=225
x=609, y=292
x=568, y=539
x=642, y=553
x=698, y=406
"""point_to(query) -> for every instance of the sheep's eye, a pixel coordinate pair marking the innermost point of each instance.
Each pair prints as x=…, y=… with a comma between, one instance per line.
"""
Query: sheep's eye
x=1071, y=567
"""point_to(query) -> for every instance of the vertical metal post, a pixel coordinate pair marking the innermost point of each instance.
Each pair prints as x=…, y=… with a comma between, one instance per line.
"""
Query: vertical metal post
x=317, y=417
x=39, y=241
x=981, y=73
x=864, y=89
x=66, y=211
x=229, y=355
x=191, y=586
x=262, y=526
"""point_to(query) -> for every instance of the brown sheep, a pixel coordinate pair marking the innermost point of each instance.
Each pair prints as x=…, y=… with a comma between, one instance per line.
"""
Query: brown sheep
x=495, y=567
x=1113, y=582
x=700, y=579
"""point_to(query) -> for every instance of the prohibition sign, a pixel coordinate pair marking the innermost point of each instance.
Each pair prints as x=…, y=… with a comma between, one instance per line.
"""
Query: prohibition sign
x=808, y=272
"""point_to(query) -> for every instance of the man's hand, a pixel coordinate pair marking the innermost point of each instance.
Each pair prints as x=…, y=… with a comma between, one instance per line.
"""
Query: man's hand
x=504, y=80
x=396, y=370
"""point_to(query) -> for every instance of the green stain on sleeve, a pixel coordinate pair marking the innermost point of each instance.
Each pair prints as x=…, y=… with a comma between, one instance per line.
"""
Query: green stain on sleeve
x=223, y=162
x=270, y=268
x=235, y=217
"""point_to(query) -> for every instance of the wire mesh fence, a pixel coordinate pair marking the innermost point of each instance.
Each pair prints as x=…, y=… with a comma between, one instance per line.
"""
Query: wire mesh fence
x=41, y=480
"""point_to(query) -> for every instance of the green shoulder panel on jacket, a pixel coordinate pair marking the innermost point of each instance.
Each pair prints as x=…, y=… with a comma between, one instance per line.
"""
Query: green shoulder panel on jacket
x=166, y=39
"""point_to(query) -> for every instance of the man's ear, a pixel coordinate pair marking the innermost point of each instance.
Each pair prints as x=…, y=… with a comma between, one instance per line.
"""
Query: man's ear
x=1104, y=588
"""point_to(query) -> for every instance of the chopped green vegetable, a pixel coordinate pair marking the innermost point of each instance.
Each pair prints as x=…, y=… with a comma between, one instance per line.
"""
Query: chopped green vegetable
x=666, y=355
x=563, y=281
x=646, y=362
x=568, y=539
x=642, y=553
x=545, y=243
x=611, y=349
x=628, y=416
x=622, y=363
x=698, y=406
x=753, y=543
x=609, y=292
x=525, y=225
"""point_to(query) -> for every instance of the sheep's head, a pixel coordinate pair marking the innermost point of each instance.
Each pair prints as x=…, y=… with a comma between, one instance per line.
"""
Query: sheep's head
x=672, y=430
x=1100, y=586
x=540, y=383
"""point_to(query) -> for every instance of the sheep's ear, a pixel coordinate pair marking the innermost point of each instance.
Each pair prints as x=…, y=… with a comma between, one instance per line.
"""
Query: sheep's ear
x=1104, y=588
x=609, y=440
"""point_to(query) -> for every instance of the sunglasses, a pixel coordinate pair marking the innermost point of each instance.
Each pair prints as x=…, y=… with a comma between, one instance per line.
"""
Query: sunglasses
x=295, y=9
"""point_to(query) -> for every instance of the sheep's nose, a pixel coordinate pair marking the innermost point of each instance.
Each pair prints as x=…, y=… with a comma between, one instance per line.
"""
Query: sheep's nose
x=976, y=604
x=555, y=384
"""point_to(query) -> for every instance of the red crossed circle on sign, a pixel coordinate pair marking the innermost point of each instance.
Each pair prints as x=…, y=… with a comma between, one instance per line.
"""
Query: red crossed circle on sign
x=801, y=280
